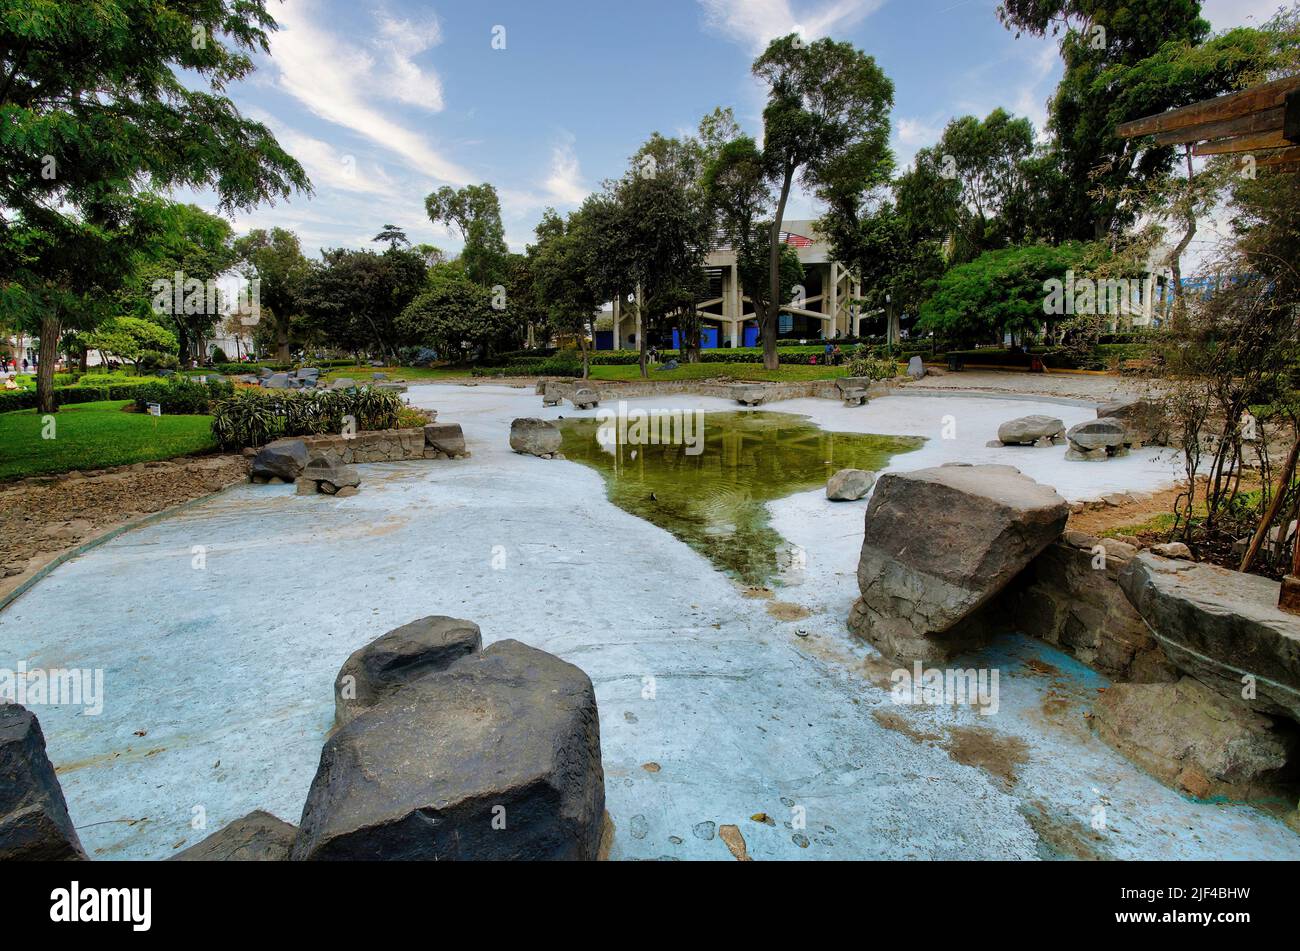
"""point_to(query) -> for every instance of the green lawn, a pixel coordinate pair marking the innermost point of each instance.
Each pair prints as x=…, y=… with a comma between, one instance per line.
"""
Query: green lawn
x=734, y=371
x=406, y=374
x=96, y=436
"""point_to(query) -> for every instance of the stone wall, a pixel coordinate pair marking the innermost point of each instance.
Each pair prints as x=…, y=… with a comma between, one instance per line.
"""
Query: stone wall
x=389, y=445
x=1070, y=597
x=640, y=389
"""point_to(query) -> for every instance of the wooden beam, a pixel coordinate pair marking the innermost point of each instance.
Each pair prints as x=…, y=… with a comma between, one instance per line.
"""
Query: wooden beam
x=1232, y=106
x=1243, y=143
x=1285, y=157
x=1269, y=120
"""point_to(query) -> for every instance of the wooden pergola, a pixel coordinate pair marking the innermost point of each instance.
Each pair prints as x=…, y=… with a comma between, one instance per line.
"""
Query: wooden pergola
x=1263, y=119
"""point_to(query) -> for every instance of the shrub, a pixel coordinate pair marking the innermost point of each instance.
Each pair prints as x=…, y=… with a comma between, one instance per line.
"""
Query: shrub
x=181, y=396
x=151, y=361
x=254, y=417
x=873, y=368
x=219, y=356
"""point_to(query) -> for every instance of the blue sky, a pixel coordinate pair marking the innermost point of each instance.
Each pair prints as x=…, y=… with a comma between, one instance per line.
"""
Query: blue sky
x=384, y=100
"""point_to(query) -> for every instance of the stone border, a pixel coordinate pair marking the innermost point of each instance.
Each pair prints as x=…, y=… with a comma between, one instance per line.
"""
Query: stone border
x=106, y=535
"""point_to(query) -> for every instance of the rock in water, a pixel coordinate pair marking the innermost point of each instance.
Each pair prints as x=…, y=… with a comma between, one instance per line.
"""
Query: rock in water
x=849, y=485
x=915, y=368
x=282, y=459
x=497, y=757
x=257, y=837
x=1219, y=626
x=400, y=657
x=1194, y=739
x=535, y=437
x=938, y=544
x=34, y=822
x=1028, y=430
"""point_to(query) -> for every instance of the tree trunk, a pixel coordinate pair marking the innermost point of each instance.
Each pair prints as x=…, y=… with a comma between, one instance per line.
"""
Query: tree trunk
x=769, y=327
x=1175, y=259
x=1288, y=471
x=582, y=345
x=282, y=344
x=51, y=327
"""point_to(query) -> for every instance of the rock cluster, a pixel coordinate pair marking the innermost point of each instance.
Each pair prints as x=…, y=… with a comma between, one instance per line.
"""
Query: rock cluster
x=1033, y=430
x=1097, y=439
x=536, y=437
x=585, y=397
x=487, y=755
x=983, y=525
x=329, y=478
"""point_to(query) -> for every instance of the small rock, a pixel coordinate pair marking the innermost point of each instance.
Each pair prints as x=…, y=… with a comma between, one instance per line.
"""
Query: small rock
x=1173, y=550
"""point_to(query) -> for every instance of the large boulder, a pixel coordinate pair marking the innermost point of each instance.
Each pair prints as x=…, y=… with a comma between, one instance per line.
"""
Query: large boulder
x=1145, y=421
x=749, y=394
x=446, y=438
x=34, y=822
x=1028, y=430
x=853, y=389
x=399, y=657
x=257, y=837
x=915, y=368
x=938, y=544
x=849, y=485
x=497, y=757
x=282, y=459
x=1097, y=439
x=1192, y=738
x=330, y=476
x=585, y=397
x=535, y=437
x=1222, y=627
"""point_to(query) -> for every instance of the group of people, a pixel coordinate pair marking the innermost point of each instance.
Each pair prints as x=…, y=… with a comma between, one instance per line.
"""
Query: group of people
x=10, y=365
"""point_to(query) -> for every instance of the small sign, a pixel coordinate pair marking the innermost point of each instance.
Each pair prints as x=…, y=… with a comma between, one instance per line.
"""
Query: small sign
x=155, y=409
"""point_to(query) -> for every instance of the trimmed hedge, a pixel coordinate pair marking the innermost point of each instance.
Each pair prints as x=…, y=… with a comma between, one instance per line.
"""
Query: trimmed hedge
x=68, y=395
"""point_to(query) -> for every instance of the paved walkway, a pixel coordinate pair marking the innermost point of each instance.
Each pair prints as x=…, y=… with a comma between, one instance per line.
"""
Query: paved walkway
x=1095, y=388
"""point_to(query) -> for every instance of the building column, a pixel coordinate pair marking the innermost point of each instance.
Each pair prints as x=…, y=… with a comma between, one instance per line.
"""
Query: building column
x=639, y=342
x=618, y=322
x=831, y=299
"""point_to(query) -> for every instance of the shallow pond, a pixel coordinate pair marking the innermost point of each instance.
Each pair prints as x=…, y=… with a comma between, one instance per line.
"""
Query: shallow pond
x=708, y=479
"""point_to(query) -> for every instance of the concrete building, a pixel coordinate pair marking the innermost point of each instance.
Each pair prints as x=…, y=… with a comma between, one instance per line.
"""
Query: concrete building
x=824, y=308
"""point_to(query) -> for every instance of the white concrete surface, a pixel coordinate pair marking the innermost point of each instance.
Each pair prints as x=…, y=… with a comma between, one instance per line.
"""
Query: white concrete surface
x=218, y=680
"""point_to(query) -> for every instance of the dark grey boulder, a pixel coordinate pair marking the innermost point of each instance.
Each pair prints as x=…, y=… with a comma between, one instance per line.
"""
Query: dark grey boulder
x=257, y=837
x=282, y=459
x=34, y=821
x=445, y=438
x=1028, y=430
x=495, y=758
x=1220, y=626
x=276, y=381
x=535, y=437
x=938, y=544
x=400, y=657
x=1146, y=422
x=330, y=476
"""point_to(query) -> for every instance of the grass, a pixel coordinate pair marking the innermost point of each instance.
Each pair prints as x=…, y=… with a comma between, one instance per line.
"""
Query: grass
x=96, y=436
x=404, y=374
x=734, y=371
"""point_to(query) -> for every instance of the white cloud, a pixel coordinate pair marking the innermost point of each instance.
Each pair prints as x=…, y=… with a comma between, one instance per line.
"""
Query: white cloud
x=917, y=132
x=564, y=185
x=338, y=82
x=1031, y=98
x=755, y=22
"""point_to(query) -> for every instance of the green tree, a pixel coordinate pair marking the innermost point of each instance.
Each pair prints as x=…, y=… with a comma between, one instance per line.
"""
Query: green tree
x=93, y=111
x=474, y=211
x=129, y=337
x=351, y=299
x=455, y=317
x=827, y=122
x=274, y=259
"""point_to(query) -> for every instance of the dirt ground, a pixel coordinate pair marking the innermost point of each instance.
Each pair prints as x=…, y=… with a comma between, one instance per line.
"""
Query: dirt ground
x=45, y=516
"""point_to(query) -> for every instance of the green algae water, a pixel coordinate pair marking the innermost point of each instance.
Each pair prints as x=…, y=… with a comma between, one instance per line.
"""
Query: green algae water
x=712, y=494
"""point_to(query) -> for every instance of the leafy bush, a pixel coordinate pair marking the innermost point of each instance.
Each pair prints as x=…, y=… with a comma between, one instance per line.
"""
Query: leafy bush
x=254, y=417
x=182, y=396
x=151, y=361
x=219, y=356
x=873, y=368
